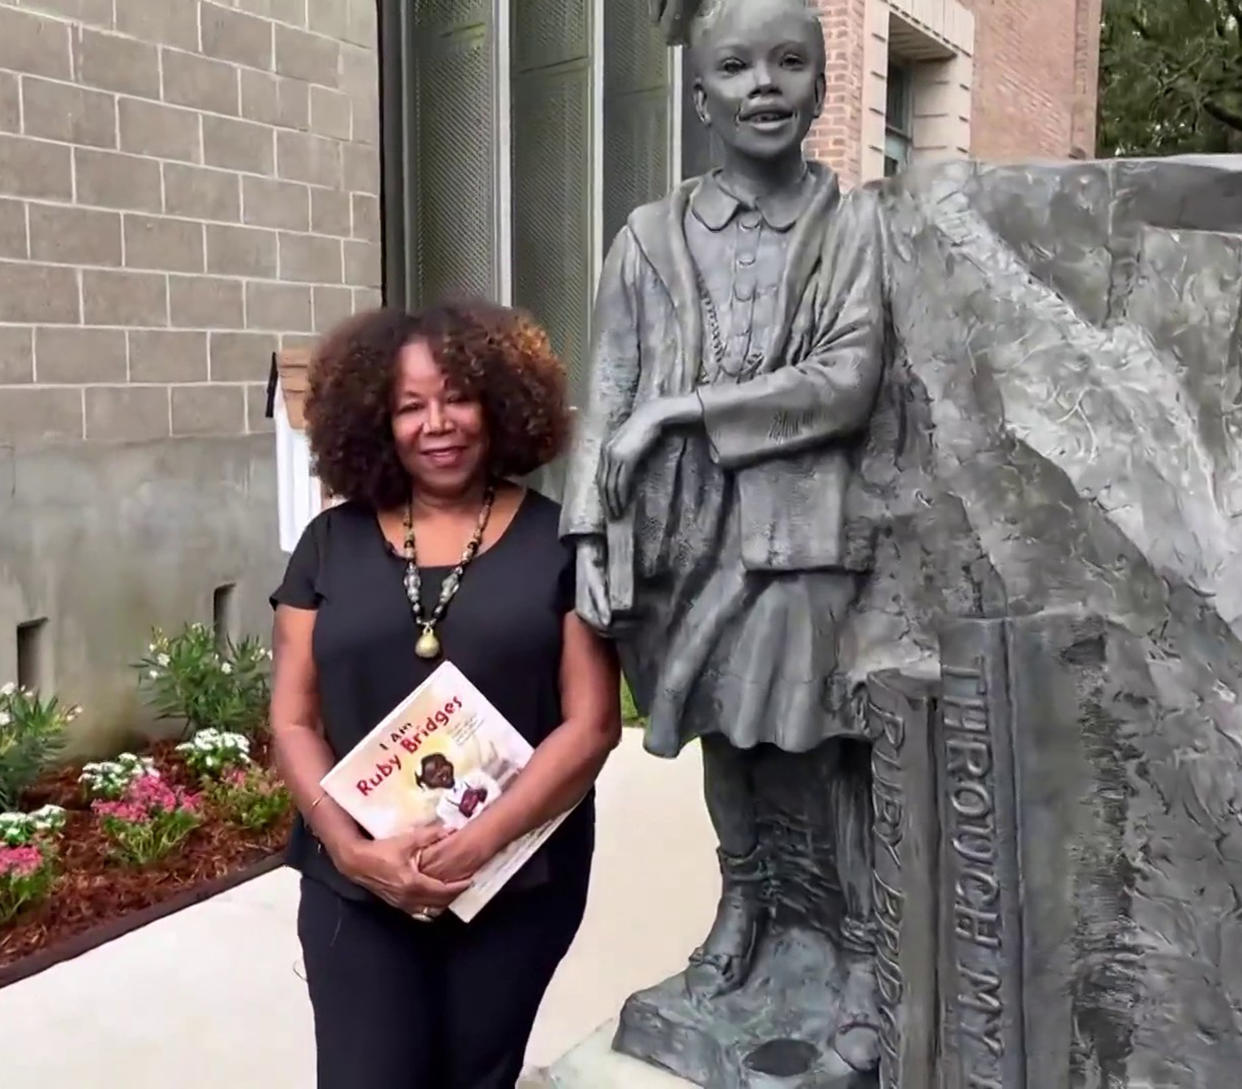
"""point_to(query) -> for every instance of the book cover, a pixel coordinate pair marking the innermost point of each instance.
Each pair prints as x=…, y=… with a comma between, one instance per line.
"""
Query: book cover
x=444, y=754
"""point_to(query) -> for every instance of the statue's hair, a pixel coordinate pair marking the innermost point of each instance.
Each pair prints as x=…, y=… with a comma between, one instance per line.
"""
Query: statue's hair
x=682, y=21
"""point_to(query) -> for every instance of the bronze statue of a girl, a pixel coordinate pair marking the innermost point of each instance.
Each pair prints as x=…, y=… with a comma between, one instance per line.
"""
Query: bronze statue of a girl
x=737, y=355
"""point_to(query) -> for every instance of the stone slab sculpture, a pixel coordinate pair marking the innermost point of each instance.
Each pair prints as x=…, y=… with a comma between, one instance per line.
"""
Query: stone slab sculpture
x=921, y=507
x=1052, y=626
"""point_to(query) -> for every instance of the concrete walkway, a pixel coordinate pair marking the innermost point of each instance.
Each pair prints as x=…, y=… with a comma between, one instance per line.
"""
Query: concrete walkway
x=212, y=996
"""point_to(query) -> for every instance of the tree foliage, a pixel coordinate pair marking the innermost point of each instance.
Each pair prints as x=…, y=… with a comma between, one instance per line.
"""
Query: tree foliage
x=1170, y=77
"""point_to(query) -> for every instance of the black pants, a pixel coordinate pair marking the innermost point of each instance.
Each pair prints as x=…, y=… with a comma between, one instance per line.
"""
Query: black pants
x=405, y=1005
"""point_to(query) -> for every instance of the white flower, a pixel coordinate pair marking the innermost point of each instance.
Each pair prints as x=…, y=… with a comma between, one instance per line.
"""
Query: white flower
x=154, y=674
x=226, y=669
x=5, y=718
x=8, y=689
x=164, y=660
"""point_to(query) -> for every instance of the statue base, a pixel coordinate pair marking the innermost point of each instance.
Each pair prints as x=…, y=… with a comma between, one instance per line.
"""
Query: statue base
x=773, y=1033
x=593, y=1064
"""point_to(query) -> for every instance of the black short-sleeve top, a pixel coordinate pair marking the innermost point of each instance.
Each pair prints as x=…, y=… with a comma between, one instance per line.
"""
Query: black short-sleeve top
x=503, y=630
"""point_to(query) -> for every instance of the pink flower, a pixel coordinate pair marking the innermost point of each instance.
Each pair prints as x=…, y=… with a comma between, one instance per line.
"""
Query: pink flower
x=237, y=777
x=152, y=794
x=147, y=796
x=122, y=811
x=20, y=861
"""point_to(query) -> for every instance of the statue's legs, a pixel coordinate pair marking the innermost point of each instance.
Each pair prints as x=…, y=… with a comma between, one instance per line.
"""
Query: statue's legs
x=722, y=962
x=858, y=1038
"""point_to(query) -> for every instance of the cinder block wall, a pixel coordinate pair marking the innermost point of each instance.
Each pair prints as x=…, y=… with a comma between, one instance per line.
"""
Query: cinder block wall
x=184, y=186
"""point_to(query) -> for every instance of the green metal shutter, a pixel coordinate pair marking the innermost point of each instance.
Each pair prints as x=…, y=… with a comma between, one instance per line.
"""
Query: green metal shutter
x=637, y=141
x=551, y=139
x=698, y=145
x=452, y=169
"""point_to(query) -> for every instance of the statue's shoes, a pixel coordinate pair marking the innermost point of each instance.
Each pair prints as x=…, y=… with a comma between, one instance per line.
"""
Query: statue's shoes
x=857, y=1039
x=723, y=962
x=713, y=975
x=858, y=1045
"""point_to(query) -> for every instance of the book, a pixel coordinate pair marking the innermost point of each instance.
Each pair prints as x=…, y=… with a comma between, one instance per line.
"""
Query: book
x=901, y=716
x=982, y=1016
x=445, y=754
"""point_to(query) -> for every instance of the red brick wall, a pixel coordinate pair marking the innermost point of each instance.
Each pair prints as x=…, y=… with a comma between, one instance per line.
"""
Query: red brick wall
x=837, y=136
x=1087, y=77
x=1028, y=84
x=1036, y=71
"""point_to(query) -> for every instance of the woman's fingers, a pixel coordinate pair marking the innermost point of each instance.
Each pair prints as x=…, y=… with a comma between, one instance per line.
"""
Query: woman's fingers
x=428, y=892
x=427, y=836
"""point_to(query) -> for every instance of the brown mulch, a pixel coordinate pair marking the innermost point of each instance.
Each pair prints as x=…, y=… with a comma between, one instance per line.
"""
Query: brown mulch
x=93, y=888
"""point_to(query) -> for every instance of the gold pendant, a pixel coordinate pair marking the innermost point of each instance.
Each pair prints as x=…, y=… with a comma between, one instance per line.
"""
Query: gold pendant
x=428, y=646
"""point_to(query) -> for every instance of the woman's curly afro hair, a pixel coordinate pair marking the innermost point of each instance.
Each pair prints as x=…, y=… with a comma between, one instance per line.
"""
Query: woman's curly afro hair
x=496, y=354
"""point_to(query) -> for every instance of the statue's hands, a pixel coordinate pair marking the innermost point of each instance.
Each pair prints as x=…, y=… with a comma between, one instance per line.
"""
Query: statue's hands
x=625, y=451
x=593, y=604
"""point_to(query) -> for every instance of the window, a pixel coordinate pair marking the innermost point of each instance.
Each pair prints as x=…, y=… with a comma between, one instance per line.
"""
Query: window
x=898, y=119
x=33, y=666
x=224, y=615
x=299, y=494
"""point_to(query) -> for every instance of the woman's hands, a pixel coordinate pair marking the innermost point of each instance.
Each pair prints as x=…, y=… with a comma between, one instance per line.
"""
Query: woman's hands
x=625, y=451
x=390, y=869
x=459, y=856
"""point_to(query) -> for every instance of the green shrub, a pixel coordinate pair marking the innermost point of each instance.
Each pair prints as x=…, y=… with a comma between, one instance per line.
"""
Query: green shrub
x=32, y=734
x=629, y=711
x=251, y=797
x=188, y=677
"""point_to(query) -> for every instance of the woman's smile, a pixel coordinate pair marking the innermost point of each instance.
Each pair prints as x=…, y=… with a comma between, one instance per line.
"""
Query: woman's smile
x=445, y=457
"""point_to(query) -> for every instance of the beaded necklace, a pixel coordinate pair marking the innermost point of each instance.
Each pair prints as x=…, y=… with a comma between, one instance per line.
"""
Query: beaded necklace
x=428, y=645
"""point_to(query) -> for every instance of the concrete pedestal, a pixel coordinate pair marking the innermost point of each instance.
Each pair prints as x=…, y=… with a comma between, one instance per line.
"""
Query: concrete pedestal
x=594, y=1065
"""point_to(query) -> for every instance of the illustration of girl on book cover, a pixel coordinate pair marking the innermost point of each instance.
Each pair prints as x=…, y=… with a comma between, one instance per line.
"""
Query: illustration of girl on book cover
x=461, y=798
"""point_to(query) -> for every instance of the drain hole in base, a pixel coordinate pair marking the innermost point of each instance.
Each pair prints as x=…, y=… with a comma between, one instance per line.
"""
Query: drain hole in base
x=783, y=1058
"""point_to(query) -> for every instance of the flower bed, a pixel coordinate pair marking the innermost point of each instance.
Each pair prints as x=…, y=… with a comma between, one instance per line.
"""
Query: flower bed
x=93, y=888
x=89, y=852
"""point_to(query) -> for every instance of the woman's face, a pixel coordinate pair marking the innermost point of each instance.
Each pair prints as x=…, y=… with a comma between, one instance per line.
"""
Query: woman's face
x=440, y=433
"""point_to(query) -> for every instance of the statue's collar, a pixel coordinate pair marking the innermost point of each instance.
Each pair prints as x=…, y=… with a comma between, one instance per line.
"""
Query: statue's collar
x=715, y=204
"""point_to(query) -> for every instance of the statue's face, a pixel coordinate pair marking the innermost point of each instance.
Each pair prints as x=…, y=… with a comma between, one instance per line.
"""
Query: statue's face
x=760, y=81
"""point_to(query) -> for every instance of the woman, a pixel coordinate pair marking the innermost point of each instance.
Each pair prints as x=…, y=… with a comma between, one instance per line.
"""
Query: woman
x=418, y=423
